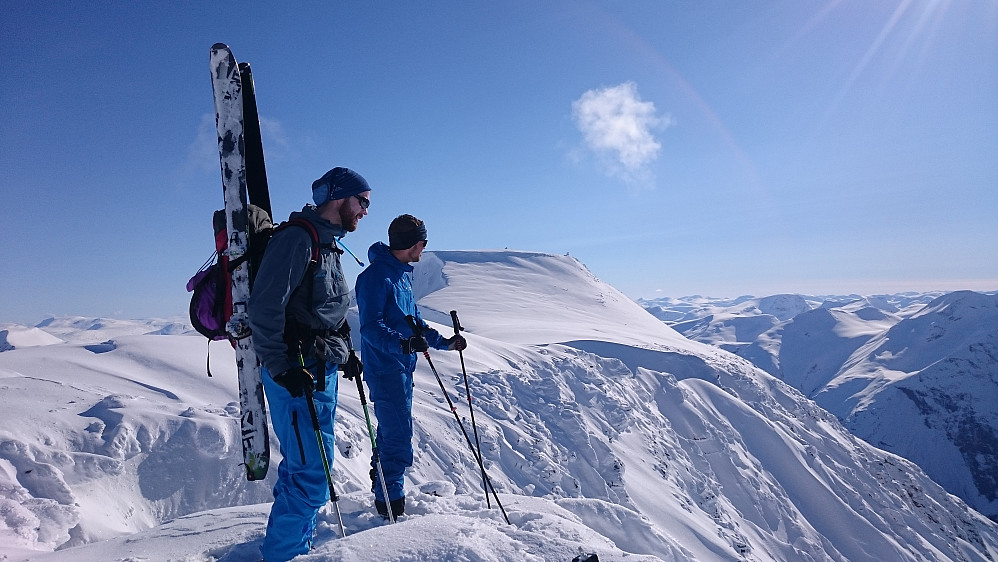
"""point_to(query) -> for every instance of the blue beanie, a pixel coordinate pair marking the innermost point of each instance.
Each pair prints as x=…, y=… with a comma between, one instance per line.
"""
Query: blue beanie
x=338, y=183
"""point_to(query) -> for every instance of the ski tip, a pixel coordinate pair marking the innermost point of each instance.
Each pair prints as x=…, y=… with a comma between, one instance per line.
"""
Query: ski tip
x=219, y=47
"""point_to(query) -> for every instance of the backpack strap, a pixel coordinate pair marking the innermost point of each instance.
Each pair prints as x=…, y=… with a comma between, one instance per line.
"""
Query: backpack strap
x=309, y=227
x=312, y=232
x=316, y=253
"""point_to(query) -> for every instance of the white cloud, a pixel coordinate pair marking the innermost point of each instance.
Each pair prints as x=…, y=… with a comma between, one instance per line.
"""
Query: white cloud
x=618, y=127
x=202, y=152
x=276, y=144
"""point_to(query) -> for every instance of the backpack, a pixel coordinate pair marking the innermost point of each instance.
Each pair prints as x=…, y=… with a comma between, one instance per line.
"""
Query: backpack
x=211, y=301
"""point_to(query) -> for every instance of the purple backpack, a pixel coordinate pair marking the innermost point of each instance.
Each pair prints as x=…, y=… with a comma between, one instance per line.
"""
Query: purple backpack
x=211, y=302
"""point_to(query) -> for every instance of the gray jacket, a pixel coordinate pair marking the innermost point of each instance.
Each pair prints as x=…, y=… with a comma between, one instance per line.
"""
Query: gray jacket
x=283, y=296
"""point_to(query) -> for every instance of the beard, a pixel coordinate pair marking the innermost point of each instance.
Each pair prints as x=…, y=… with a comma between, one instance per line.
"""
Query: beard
x=348, y=220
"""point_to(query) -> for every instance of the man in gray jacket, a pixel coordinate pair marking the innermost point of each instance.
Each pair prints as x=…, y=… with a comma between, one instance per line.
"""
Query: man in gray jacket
x=298, y=315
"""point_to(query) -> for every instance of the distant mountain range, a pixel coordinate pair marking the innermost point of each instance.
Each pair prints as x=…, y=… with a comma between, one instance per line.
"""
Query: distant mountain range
x=911, y=373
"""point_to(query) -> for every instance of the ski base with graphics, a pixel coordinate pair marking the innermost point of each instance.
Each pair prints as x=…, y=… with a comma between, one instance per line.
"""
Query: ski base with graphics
x=227, y=86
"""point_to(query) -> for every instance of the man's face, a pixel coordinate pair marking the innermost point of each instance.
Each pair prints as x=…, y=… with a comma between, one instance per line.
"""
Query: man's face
x=353, y=209
x=413, y=254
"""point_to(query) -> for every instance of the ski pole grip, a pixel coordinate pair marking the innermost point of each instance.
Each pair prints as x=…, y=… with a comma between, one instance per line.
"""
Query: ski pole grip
x=457, y=323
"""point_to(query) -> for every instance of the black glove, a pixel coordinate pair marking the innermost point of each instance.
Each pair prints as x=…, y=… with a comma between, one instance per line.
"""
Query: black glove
x=296, y=380
x=415, y=344
x=353, y=367
x=456, y=343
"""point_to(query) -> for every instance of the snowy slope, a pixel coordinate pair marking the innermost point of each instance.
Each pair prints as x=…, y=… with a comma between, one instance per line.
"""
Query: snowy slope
x=814, y=345
x=901, y=371
x=603, y=430
x=747, y=326
x=525, y=297
x=13, y=336
x=931, y=378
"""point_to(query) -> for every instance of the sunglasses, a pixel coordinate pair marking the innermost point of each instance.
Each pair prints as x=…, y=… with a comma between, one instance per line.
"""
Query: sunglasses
x=364, y=201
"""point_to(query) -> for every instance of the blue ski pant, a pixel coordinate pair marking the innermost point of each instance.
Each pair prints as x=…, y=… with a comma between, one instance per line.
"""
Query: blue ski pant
x=301, y=488
x=391, y=395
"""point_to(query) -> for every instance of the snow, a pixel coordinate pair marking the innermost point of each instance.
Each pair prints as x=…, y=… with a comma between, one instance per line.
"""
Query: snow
x=603, y=431
x=900, y=371
x=13, y=336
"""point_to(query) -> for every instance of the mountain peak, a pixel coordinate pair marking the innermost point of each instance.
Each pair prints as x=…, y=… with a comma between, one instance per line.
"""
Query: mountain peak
x=558, y=291
x=960, y=304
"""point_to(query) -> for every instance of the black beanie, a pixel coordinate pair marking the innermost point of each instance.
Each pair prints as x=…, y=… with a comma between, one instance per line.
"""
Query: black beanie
x=405, y=231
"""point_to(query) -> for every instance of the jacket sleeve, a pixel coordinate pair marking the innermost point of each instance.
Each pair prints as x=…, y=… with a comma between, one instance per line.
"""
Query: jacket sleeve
x=435, y=340
x=281, y=271
x=372, y=298
x=433, y=337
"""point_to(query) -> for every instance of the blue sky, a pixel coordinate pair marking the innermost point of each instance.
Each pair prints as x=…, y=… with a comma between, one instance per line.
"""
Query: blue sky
x=675, y=148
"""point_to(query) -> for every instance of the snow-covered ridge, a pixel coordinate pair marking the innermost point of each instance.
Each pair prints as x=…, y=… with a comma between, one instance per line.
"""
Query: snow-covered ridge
x=533, y=298
x=13, y=336
x=640, y=445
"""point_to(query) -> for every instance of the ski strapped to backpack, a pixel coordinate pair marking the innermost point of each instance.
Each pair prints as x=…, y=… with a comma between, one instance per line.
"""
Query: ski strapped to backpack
x=211, y=303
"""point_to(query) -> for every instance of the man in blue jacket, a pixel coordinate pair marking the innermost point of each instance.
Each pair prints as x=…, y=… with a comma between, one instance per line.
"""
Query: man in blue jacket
x=298, y=312
x=389, y=347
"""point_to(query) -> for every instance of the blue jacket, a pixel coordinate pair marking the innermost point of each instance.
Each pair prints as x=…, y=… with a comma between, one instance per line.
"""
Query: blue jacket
x=384, y=299
x=282, y=294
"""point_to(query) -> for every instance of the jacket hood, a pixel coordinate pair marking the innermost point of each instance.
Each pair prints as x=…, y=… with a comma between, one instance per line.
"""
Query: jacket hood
x=327, y=230
x=379, y=252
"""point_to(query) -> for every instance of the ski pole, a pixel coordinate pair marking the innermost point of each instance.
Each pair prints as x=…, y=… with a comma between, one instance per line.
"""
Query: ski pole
x=374, y=441
x=467, y=392
x=419, y=331
x=325, y=460
x=310, y=399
